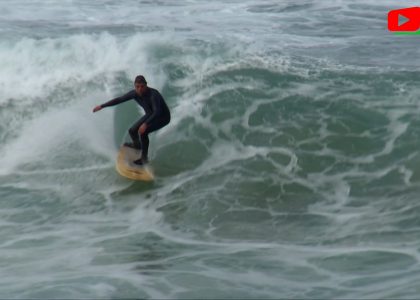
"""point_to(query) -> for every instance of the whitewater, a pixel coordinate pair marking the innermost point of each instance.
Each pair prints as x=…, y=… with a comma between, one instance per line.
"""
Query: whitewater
x=290, y=169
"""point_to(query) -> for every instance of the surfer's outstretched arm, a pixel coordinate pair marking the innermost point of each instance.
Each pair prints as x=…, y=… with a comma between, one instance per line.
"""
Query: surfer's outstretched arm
x=130, y=95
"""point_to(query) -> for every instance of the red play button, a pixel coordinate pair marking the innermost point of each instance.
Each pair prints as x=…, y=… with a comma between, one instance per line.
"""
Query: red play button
x=405, y=19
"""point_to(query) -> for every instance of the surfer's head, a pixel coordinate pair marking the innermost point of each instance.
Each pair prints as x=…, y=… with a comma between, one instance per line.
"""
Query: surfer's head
x=140, y=85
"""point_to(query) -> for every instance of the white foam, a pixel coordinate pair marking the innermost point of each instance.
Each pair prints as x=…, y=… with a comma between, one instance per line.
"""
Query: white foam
x=34, y=68
x=52, y=132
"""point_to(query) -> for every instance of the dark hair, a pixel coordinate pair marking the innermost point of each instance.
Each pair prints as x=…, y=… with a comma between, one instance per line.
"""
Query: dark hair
x=140, y=79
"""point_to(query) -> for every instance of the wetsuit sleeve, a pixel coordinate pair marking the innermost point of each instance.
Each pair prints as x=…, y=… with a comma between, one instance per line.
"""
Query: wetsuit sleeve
x=130, y=95
x=156, y=108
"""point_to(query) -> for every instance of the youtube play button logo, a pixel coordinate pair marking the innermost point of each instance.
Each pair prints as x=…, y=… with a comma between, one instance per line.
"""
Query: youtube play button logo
x=404, y=20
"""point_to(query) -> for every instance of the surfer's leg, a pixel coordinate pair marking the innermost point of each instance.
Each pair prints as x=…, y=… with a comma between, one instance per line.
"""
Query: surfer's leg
x=144, y=147
x=134, y=133
x=155, y=125
x=144, y=150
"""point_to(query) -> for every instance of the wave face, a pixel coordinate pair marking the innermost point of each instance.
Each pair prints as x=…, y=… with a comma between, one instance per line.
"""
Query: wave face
x=291, y=167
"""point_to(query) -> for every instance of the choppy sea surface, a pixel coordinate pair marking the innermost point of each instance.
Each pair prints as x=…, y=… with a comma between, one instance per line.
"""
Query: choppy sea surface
x=291, y=167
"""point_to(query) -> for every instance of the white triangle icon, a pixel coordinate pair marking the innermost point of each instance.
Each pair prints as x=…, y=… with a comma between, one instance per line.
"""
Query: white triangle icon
x=402, y=20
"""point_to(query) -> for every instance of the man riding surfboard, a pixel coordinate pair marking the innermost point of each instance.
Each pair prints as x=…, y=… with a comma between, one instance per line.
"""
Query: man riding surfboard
x=157, y=115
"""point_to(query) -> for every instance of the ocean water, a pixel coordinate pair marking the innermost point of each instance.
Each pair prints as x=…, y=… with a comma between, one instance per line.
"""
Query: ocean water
x=291, y=167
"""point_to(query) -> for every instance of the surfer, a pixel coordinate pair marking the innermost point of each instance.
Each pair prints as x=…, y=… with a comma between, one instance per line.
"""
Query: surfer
x=156, y=116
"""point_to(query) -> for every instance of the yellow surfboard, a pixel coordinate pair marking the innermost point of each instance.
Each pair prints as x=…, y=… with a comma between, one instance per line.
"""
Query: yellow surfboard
x=125, y=166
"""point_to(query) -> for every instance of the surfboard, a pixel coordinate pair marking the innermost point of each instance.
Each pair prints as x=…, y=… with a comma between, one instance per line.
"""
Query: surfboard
x=126, y=168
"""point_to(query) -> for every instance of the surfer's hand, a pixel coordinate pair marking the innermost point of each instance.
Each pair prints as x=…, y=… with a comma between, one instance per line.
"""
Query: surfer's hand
x=97, y=108
x=143, y=128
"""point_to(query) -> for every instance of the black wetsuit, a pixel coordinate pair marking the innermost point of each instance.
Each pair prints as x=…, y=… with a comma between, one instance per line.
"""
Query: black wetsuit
x=157, y=115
